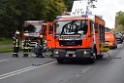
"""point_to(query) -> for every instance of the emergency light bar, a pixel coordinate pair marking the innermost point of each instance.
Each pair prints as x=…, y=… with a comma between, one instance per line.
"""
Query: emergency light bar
x=36, y=22
x=67, y=16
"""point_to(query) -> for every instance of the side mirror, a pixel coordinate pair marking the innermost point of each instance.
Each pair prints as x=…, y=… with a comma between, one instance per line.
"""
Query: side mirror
x=96, y=27
x=56, y=36
x=84, y=32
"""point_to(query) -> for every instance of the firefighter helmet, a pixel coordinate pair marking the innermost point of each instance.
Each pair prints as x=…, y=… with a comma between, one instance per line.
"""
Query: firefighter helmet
x=17, y=32
x=26, y=34
x=41, y=36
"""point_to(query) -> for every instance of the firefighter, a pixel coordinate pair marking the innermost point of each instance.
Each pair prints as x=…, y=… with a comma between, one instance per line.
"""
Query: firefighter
x=39, y=48
x=26, y=45
x=41, y=42
x=16, y=39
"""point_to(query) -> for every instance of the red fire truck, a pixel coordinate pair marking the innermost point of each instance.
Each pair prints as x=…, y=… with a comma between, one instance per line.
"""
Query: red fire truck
x=33, y=28
x=78, y=37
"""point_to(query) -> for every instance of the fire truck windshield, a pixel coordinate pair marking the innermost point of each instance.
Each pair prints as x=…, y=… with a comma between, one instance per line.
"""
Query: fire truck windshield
x=32, y=28
x=72, y=27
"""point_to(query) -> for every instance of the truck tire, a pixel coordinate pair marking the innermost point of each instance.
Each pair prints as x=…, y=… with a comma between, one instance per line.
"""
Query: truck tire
x=115, y=46
x=60, y=60
x=93, y=59
x=99, y=57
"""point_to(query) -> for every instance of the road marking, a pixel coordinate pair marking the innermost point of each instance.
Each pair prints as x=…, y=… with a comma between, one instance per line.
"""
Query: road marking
x=23, y=70
x=4, y=60
x=83, y=71
x=15, y=71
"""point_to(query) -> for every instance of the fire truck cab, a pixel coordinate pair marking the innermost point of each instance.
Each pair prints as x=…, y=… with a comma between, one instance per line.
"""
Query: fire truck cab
x=78, y=37
x=35, y=29
x=47, y=31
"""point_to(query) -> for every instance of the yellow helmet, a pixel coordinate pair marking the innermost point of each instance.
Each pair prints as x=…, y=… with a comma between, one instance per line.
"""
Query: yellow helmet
x=17, y=32
x=41, y=36
x=26, y=34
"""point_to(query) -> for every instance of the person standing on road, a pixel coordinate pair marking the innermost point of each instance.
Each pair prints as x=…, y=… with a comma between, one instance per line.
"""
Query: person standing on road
x=26, y=45
x=41, y=42
x=39, y=48
x=16, y=40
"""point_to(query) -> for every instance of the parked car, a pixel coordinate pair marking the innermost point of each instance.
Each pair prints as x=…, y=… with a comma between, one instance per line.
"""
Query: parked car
x=111, y=39
x=119, y=39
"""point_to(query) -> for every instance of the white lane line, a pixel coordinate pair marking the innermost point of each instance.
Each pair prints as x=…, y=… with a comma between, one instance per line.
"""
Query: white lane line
x=4, y=60
x=83, y=71
x=23, y=70
x=16, y=71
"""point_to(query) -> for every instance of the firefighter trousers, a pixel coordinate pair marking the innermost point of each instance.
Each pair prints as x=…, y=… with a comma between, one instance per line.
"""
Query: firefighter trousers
x=26, y=52
x=15, y=51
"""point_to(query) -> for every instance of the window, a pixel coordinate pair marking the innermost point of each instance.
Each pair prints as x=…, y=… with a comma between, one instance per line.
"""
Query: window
x=32, y=28
x=43, y=30
x=29, y=28
x=72, y=27
x=102, y=33
x=96, y=27
x=91, y=26
x=50, y=29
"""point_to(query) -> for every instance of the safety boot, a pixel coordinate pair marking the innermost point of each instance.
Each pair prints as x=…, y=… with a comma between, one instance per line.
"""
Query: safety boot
x=25, y=55
x=15, y=55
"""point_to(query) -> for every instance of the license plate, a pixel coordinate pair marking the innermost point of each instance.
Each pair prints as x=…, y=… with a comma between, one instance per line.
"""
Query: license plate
x=70, y=52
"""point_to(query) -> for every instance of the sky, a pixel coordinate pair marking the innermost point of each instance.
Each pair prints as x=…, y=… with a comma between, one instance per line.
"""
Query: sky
x=107, y=9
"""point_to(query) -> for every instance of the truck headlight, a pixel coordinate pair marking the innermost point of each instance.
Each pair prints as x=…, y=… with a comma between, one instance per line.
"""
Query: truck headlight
x=56, y=52
x=86, y=52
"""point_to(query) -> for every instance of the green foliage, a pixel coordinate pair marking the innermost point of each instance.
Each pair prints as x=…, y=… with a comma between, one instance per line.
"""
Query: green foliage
x=5, y=41
x=69, y=4
x=13, y=13
x=7, y=49
x=55, y=7
x=119, y=28
x=5, y=45
x=120, y=20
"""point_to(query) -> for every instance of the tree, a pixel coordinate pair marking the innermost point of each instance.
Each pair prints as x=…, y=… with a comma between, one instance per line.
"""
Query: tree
x=55, y=7
x=69, y=4
x=120, y=17
x=120, y=20
x=13, y=13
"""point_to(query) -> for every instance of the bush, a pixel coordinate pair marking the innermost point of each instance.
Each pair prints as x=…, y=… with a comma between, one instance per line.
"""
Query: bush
x=9, y=49
x=5, y=41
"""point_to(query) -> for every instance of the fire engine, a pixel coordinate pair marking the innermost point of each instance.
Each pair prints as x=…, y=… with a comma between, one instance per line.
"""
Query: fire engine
x=33, y=28
x=47, y=31
x=78, y=37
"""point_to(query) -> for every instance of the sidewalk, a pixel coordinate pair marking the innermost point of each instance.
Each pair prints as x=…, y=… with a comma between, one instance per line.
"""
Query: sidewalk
x=5, y=46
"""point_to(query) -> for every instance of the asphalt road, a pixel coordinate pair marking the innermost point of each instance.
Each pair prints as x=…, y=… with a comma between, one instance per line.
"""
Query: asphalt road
x=39, y=70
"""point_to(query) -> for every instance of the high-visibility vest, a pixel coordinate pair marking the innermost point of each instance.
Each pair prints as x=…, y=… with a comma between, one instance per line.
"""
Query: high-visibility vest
x=16, y=42
x=26, y=44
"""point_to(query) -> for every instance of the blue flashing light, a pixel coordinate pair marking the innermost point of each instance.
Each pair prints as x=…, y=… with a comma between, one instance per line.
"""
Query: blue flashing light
x=66, y=16
x=84, y=15
x=57, y=17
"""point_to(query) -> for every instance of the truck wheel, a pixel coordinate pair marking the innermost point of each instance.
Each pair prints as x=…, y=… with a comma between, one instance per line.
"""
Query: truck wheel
x=59, y=60
x=115, y=47
x=99, y=57
x=93, y=59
